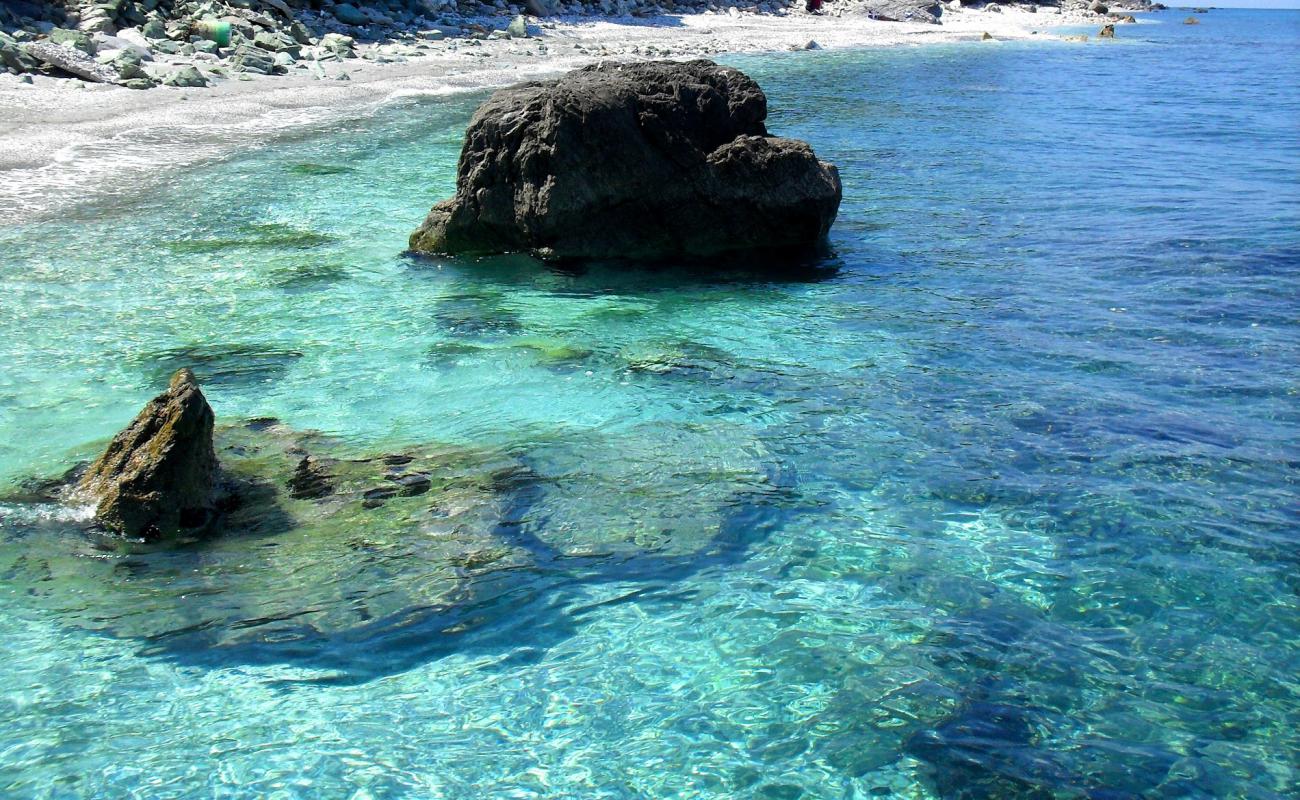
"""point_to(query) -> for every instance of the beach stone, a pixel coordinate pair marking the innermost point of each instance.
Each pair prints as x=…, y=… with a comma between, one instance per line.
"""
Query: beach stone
x=1098, y=7
x=518, y=29
x=188, y=77
x=927, y=11
x=1106, y=32
x=253, y=59
x=128, y=70
x=540, y=8
x=157, y=477
x=349, y=14
x=96, y=21
x=127, y=39
x=154, y=29
x=71, y=61
x=78, y=40
x=643, y=162
x=299, y=33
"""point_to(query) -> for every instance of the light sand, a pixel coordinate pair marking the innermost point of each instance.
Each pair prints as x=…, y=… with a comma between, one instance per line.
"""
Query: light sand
x=63, y=142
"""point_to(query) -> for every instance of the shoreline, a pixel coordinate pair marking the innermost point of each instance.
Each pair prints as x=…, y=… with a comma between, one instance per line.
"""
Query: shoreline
x=65, y=143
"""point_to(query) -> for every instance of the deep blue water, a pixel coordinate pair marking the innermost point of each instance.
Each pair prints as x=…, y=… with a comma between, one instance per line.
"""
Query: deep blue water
x=999, y=502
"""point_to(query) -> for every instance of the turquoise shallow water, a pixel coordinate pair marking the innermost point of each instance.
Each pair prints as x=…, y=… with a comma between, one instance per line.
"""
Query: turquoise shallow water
x=999, y=502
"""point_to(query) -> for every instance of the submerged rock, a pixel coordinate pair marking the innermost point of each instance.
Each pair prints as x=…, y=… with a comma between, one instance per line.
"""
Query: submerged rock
x=1106, y=32
x=645, y=162
x=157, y=477
x=310, y=481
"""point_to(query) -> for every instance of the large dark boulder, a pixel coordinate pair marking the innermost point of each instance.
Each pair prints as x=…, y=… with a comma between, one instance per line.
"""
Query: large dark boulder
x=645, y=162
x=156, y=479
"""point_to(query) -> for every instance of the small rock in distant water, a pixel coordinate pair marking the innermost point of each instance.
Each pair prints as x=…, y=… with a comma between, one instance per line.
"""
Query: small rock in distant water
x=413, y=484
x=153, y=29
x=309, y=168
x=986, y=37
x=1191, y=21
x=253, y=59
x=78, y=40
x=157, y=477
x=1106, y=32
x=1125, y=19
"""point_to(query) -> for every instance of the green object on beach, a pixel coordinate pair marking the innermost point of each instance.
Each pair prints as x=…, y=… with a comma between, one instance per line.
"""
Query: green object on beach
x=215, y=30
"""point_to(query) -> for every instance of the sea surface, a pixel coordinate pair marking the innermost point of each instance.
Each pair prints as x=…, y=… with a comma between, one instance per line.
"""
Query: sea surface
x=997, y=500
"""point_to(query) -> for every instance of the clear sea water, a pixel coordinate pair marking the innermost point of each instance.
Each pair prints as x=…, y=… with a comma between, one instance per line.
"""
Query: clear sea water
x=999, y=502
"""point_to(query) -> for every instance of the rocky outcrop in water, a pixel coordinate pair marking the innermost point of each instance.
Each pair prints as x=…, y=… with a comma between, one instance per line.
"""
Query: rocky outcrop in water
x=157, y=477
x=650, y=161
